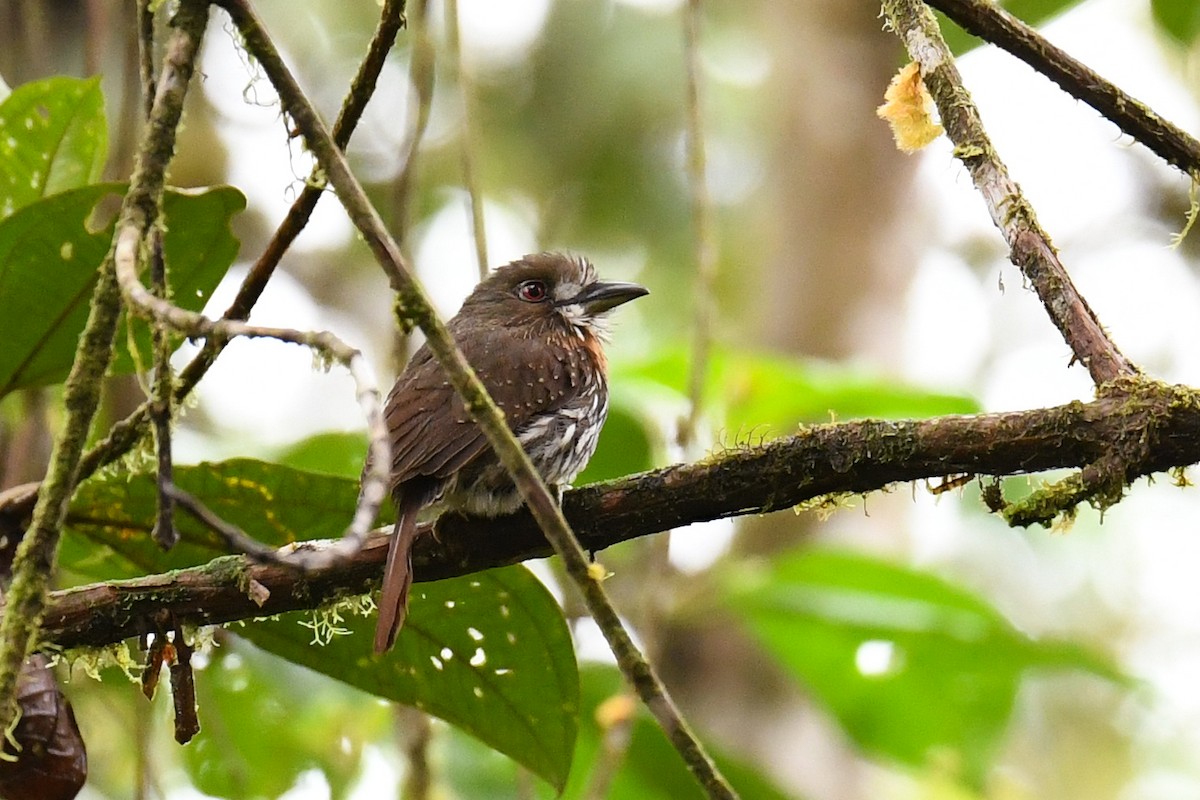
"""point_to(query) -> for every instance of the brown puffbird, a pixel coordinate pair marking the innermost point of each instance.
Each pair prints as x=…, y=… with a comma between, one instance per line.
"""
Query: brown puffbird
x=533, y=331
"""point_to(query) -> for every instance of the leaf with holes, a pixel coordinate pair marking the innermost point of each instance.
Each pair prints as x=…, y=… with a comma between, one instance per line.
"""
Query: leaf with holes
x=911, y=665
x=53, y=137
x=489, y=653
x=49, y=258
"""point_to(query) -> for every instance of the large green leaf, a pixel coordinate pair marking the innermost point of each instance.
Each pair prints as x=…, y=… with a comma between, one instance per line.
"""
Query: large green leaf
x=48, y=261
x=754, y=393
x=911, y=665
x=489, y=653
x=263, y=724
x=650, y=768
x=53, y=137
x=1179, y=18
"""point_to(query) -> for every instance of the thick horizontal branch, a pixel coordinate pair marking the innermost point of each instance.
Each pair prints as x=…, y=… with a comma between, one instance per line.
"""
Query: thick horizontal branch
x=1144, y=427
x=993, y=24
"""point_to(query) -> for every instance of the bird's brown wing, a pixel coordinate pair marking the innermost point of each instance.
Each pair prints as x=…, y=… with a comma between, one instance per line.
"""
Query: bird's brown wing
x=431, y=433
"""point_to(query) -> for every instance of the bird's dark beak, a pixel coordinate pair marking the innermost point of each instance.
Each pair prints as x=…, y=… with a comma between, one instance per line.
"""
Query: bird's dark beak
x=601, y=296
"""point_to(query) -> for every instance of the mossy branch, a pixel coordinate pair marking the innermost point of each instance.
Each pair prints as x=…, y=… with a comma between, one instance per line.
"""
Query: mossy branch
x=35, y=558
x=1142, y=429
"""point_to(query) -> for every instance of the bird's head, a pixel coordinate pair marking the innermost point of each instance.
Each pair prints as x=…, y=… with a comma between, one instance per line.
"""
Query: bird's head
x=550, y=294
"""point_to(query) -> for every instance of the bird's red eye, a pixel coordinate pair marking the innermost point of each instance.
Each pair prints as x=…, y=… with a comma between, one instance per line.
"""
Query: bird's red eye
x=532, y=291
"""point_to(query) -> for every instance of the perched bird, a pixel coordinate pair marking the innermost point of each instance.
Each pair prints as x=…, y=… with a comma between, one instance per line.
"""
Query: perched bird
x=533, y=332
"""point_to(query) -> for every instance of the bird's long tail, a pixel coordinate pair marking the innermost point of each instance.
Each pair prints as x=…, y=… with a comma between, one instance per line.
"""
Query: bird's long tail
x=397, y=578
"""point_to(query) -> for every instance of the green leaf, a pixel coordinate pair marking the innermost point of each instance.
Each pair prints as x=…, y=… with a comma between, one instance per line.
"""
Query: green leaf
x=333, y=453
x=651, y=769
x=510, y=678
x=489, y=653
x=912, y=666
x=111, y=516
x=1180, y=19
x=49, y=257
x=53, y=137
x=758, y=394
x=264, y=723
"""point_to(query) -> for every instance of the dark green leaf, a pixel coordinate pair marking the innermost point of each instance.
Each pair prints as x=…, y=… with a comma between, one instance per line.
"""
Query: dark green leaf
x=111, y=516
x=510, y=678
x=912, y=666
x=1179, y=18
x=53, y=137
x=264, y=723
x=49, y=257
x=489, y=653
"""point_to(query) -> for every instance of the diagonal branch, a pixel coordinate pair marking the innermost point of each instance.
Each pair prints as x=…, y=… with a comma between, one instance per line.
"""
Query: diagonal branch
x=1029, y=246
x=1152, y=428
x=990, y=22
x=416, y=308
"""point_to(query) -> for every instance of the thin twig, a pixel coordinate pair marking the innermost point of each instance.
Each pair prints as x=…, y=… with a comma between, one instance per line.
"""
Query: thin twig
x=38, y=549
x=416, y=308
x=703, y=236
x=236, y=540
x=467, y=140
x=1029, y=246
x=329, y=346
x=161, y=402
x=415, y=730
x=421, y=75
x=161, y=407
x=145, y=38
x=992, y=23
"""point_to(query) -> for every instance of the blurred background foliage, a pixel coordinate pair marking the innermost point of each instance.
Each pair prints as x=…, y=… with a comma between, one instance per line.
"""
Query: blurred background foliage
x=895, y=646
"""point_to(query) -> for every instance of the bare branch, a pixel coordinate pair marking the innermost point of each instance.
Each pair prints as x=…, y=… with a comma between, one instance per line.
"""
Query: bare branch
x=992, y=23
x=1029, y=246
x=468, y=138
x=194, y=325
x=703, y=235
